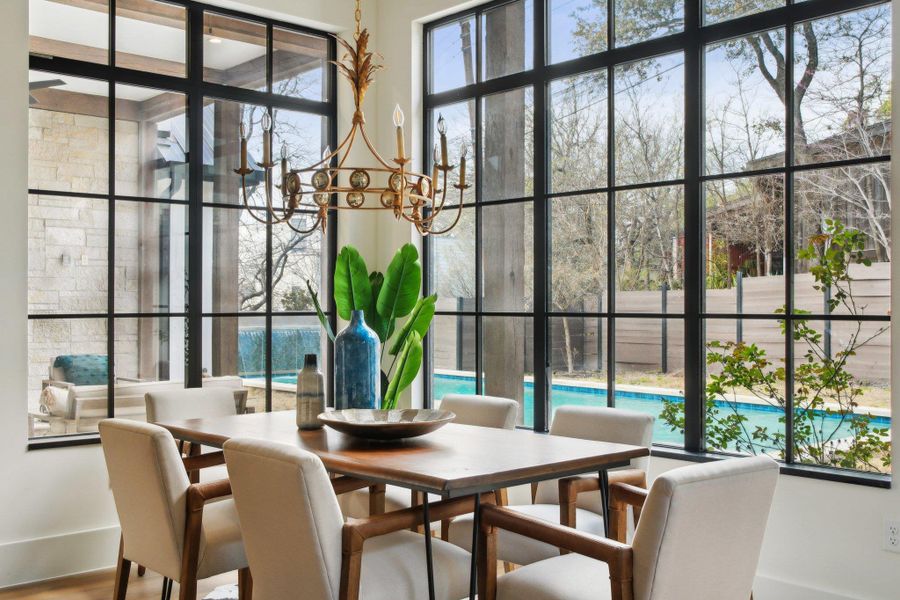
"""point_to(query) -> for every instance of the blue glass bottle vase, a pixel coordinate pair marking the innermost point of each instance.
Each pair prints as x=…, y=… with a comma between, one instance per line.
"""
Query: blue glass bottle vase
x=357, y=374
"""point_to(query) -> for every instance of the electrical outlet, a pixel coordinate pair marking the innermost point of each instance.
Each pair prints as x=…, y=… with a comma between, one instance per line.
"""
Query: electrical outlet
x=891, y=541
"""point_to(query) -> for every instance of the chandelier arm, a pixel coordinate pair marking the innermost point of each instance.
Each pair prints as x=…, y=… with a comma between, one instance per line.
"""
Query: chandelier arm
x=306, y=231
x=450, y=226
x=350, y=138
x=374, y=152
x=270, y=207
x=250, y=210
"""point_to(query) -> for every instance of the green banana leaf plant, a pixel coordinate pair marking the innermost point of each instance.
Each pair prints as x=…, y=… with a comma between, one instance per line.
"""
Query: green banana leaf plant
x=385, y=298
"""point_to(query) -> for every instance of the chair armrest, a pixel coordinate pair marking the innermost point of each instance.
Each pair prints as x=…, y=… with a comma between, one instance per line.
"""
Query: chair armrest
x=617, y=555
x=623, y=494
x=357, y=531
x=198, y=495
x=570, y=487
x=203, y=461
x=201, y=493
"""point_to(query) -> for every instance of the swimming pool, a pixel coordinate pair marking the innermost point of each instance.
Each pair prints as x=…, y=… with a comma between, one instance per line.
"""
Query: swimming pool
x=646, y=401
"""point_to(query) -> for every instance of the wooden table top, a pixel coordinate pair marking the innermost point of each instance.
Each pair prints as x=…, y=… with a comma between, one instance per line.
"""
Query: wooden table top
x=453, y=461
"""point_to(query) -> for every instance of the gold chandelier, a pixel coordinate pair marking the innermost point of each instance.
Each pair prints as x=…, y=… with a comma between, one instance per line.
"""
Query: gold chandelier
x=386, y=185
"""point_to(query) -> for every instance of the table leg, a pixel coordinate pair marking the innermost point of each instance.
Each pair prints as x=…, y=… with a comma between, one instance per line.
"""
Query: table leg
x=476, y=524
x=604, y=500
x=429, y=559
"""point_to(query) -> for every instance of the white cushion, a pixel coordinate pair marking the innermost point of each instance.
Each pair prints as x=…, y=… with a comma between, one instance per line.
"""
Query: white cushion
x=567, y=577
x=393, y=567
x=519, y=549
x=221, y=548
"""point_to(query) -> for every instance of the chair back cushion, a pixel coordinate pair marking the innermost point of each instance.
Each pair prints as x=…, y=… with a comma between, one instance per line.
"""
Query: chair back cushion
x=81, y=369
x=194, y=403
x=485, y=411
x=149, y=485
x=601, y=424
x=701, y=530
x=290, y=519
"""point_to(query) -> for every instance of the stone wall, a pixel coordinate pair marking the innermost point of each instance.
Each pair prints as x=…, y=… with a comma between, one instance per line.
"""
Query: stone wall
x=68, y=238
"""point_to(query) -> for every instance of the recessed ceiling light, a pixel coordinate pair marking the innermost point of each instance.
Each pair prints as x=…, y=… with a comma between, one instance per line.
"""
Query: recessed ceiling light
x=211, y=38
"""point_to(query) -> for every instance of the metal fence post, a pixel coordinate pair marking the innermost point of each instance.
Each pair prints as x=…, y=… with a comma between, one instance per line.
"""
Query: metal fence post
x=739, y=301
x=665, y=328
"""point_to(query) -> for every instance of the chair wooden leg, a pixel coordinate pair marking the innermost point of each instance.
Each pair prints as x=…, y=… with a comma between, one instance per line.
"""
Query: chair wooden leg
x=245, y=585
x=487, y=564
x=141, y=570
x=376, y=499
x=123, y=569
x=445, y=530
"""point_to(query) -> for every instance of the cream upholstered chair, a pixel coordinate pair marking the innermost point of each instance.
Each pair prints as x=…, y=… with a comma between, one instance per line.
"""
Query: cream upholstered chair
x=168, y=525
x=698, y=538
x=582, y=506
x=470, y=409
x=192, y=403
x=299, y=546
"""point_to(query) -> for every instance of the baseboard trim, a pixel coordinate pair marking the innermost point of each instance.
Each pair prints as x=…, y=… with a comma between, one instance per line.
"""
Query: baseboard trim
x=772, y=588
x=52, y=557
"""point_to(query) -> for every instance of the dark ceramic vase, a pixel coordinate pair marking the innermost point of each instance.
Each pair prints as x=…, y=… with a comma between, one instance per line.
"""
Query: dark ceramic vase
x=357, y=375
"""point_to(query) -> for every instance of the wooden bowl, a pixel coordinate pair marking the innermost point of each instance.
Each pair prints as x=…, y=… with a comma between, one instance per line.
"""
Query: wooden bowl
x=386, y=424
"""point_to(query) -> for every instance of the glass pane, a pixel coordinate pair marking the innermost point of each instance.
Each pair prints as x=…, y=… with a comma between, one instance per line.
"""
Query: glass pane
x=578, y=132
x=67, y=255
x=151, y=257
x=235, y=251
x=68, y=133
x=745, y=245
x=507, y=39
x=236, y=347
x=842, y=391
x=842, y=75
x=303, y=137
x=234, y=52
x=843, y=211
x=64, y=353
x=578, y=361
x=649, y=128
x=147, y=350
x=723, y=10
x=80, y=32
x=150, y=36
x=745, y=387
x=509, y=362
x=151, y=143
x=453, y=262
x=508, y=144
x=222, y=123
x=453, y=355
x=744, y=112
x=460, y=121
x=299, y=65
x=452, y=55
x=292, y=339
x=507, y=249
x=578, y=254
x=576, y=28
x=650, y=371
x=639, y=20
x=650, y=250
x=296, y=259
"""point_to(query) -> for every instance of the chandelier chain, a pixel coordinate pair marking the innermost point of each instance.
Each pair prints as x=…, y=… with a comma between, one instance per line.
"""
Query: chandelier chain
x=358, y=16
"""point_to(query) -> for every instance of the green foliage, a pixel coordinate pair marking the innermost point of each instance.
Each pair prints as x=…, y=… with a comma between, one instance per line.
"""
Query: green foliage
x=384, y=298
x=823, y=386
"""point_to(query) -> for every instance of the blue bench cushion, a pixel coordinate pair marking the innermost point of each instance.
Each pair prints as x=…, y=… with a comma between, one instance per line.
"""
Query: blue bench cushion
x=83, y=369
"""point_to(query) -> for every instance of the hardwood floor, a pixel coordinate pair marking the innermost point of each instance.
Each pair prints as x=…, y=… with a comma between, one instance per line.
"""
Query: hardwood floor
x=99, y=586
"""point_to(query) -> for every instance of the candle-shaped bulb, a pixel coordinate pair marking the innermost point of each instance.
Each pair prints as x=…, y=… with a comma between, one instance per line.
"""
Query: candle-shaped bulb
x=436, y=155
x=266, y=122
x=326, y=152
x=398, y=123
x=284, y=153
x=463, y=152
x=441, y=125
x=243, y=131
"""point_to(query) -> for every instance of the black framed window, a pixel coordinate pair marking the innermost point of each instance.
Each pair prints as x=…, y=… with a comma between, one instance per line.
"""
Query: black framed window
x=145, y=269
x=661, y=191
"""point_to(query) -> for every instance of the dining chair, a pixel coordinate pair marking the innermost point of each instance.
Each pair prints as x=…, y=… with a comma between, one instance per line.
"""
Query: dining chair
x=299, y=546
x=698, y=538
x=470, y=409
x=181, y=530
x=575, y=501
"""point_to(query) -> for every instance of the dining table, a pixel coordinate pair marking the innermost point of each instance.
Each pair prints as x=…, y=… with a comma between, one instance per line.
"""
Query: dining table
x=453, y=462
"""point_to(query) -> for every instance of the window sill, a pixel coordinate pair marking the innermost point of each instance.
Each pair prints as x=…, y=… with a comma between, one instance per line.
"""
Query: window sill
x=63, y=441
x=877, y=480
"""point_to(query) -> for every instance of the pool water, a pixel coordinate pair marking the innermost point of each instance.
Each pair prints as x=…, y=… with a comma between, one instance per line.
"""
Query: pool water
x=643, y=401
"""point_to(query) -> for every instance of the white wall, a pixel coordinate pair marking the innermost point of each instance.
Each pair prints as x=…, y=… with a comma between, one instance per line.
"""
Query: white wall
x=823, y=540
